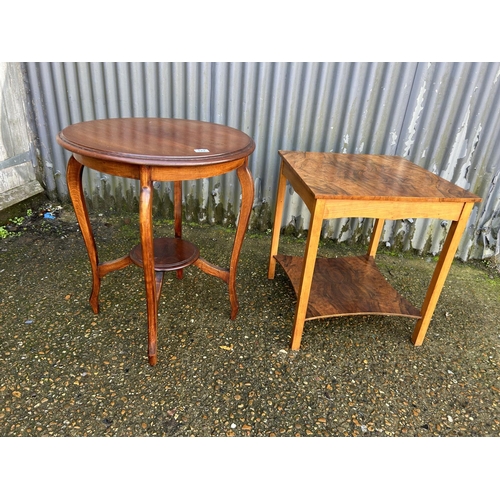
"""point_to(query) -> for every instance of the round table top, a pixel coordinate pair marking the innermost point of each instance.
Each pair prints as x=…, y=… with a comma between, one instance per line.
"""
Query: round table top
x=156, y=141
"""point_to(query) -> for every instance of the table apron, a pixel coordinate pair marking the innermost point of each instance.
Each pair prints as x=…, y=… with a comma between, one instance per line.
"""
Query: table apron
x=393, y=210
x=160, y=173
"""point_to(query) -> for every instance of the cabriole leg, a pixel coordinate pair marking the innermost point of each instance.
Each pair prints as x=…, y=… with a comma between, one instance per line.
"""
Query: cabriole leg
x=74, y=179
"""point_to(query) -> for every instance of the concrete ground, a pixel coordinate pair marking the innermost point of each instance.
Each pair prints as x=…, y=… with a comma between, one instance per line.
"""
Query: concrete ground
x=67, y=372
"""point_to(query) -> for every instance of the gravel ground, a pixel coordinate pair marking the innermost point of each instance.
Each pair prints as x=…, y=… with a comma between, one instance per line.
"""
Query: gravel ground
x=67, y=372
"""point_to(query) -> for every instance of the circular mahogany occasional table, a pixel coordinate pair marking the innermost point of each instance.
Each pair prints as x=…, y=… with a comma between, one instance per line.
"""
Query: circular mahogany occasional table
x=158, y=149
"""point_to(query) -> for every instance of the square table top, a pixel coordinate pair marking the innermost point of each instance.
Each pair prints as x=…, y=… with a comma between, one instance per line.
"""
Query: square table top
x=339, y=176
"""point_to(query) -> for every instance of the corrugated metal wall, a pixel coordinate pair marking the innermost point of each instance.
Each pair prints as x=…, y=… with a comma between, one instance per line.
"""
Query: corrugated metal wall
x=442, y=116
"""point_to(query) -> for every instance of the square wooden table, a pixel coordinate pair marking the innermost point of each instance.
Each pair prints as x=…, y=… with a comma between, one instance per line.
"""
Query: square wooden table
x=334, y=185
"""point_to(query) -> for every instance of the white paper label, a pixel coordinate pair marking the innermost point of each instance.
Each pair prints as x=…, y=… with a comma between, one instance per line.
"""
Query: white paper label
x=201, y=151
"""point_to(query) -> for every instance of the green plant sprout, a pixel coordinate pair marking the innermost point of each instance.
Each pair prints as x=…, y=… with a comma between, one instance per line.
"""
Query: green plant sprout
x=17, y=220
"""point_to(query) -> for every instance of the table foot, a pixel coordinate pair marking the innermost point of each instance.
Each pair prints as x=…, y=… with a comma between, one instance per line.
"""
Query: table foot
x=94, y=298
x=235, y=307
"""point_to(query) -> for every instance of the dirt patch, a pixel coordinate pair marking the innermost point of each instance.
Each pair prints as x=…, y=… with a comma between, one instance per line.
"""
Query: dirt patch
x=67, y=372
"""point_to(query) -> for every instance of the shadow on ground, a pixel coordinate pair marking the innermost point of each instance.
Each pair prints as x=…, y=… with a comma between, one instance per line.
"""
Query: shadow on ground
x=67, y=372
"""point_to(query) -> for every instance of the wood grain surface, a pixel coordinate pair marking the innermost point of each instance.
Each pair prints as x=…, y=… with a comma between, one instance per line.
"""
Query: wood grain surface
x=370, y=177
x=347, y=286
x=158, y=149
x=156, y=141
x=170, y=254
x=334, y=185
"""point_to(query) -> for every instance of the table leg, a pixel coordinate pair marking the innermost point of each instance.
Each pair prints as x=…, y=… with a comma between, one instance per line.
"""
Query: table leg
x=247, y=193
x=278, y=215
x=74, y=180
x=146, y=230
x=309, y=262
x=440, y=272
x=178, y=216
x=375, y=237
x=228, y=275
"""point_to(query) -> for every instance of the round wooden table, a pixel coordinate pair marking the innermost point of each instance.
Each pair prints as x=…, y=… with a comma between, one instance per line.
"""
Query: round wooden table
x=158, y=149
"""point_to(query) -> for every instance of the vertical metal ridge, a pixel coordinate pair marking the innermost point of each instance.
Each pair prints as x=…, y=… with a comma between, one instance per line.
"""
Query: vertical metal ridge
x=442, y=116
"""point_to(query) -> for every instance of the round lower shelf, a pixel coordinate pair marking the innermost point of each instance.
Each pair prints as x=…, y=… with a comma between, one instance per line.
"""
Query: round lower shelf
x=170, y=254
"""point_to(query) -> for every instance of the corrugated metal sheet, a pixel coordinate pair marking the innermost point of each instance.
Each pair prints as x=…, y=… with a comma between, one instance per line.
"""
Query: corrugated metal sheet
x=442, y=116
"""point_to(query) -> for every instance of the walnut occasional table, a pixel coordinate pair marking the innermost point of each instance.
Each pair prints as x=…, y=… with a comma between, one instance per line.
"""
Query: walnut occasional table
x=158, y=149
x=373, y=186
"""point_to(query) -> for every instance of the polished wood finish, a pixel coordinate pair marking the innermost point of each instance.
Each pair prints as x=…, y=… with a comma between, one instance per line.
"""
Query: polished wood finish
x=74, y=173
x=162, y=142
x=440, y=273
x=347, y=286
x=372, y=186
x=375, y=237
x=158, y=149
x=170, y=254
x=336, y=176
x=146, y=232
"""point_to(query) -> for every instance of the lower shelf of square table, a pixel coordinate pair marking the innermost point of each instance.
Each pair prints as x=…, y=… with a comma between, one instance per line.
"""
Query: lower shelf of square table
x=346, y=286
